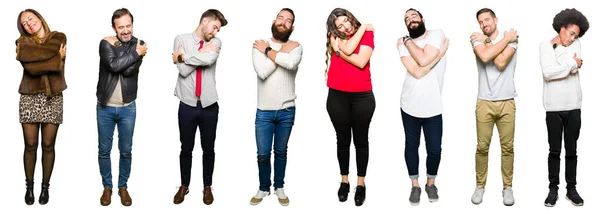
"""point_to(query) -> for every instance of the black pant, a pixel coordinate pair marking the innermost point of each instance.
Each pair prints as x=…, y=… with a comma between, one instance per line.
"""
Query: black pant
x=351, y=113
x=190, y=119
x=570, y=123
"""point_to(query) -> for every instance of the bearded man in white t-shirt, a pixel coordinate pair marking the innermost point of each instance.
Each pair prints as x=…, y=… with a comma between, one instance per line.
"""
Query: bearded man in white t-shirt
x=422, y=53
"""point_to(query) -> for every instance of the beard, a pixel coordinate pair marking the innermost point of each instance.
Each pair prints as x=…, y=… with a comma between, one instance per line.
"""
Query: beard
x=283, y=36
x=418, y=31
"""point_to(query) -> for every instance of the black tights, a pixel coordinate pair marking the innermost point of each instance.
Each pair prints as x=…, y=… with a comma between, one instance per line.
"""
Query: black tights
x=30, y=134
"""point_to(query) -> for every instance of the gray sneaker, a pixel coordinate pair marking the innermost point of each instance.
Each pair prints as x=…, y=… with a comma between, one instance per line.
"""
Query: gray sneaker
x=477, y=197
x=507, y=196
x=432, y=193
x=415, y=196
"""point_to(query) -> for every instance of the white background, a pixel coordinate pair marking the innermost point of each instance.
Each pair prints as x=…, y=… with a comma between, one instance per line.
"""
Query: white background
x=312, y=177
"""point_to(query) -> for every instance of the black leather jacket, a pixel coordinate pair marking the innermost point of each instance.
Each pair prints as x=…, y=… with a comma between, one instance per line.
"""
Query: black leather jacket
x=117, y=62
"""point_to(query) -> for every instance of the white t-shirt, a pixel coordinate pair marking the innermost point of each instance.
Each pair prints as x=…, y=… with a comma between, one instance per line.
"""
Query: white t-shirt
x=423, y=97
x=494, y=84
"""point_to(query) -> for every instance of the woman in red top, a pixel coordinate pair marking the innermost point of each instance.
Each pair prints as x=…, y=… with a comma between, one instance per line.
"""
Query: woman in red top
x=350, y=102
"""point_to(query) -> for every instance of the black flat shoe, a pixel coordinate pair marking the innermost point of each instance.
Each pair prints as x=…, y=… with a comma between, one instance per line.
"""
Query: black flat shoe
x=359, y=195
x=343, y=191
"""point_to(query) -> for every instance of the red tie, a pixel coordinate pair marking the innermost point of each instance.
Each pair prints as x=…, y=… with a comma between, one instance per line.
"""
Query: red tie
x=199, y=75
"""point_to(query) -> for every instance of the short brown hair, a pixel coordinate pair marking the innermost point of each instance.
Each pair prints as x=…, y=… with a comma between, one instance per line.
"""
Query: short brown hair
x=486, y=10
x=215, y=15
x=120, y=12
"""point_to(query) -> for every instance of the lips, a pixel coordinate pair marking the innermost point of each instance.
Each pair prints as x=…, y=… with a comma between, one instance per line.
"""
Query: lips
x=31, y=27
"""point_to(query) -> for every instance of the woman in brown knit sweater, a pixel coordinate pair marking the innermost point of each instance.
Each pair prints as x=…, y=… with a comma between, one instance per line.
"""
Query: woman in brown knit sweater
x=42, y=53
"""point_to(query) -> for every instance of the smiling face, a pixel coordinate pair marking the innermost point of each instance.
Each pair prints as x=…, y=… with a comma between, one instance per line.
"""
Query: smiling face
x=123, y=26
x=282, y=26
x=344, y=25
x=31, y=23
x=487, y=23
x=568, y=34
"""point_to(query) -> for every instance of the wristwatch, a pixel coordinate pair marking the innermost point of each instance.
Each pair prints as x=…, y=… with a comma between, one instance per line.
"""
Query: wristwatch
x=405, y=38
x=267, y=50
x=179, y=59
x=337, y=53
x=117, y=43
x=487, y=40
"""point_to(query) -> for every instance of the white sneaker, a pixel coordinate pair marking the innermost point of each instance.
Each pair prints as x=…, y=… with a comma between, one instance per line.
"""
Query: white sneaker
x=477, y=197
x=259, y=197
x=283, y=199
x=507, y=195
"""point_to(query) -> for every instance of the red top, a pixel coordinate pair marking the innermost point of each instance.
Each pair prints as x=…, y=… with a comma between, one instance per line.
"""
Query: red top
x=344, y=76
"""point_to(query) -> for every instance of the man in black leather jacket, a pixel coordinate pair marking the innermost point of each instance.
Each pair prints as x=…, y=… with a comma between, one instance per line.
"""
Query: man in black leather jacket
x=120, y=60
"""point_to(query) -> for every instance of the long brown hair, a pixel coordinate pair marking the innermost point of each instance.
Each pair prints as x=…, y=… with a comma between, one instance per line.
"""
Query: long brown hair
x=39, y=16
x=332, y=29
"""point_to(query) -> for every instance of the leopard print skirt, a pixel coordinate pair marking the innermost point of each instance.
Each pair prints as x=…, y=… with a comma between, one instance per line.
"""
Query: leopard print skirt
x=39, y=108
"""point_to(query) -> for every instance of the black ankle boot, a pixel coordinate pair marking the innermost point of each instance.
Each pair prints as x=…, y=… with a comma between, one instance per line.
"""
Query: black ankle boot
x=44, y=194
x=343, y=191
x=359, y=195
x=29, y=198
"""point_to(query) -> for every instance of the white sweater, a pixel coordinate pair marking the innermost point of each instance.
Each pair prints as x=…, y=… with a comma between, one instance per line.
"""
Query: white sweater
x=562, y=90
x=276, y=83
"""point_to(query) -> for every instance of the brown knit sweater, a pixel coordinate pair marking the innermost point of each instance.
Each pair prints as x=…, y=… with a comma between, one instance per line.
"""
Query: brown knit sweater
x=43, y=68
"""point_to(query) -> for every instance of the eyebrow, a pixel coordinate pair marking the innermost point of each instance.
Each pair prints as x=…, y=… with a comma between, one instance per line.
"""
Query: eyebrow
x=27, y=19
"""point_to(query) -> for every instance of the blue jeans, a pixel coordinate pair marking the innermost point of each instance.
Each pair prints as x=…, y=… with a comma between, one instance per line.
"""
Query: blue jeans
x=432, y=128
x=124, y=119
x=273, y=125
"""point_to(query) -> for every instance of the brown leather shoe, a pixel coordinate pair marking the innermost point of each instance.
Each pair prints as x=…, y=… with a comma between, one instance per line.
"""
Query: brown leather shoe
x=208, y=196
x=105, y=198
x=180, y=195
x=125, y=198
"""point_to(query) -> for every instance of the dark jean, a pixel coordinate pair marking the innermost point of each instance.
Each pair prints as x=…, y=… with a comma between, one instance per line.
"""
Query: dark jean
x=432, y=129
x=124, y=118
x=190, y=119
x=558, y=122
x=273, y=129
x=350, y=114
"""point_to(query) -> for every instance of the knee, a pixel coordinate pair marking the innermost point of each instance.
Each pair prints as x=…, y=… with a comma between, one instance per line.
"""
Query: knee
x=483, y=149
x=48, y=146
x=570, y=154
x=506, y=150
x=361, y=145
x=343, y=145
x=31, y=146
x=434, y=152
x=126, y=154
x=264, y=159
x=280, y=152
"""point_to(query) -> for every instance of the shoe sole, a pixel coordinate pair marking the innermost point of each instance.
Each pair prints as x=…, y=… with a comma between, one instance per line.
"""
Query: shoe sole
x=433, y=200
x=415, y=203
x=574, y=204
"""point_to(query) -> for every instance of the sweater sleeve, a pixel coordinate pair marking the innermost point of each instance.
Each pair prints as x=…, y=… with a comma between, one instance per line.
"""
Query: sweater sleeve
x=554, y=67
x=290, y=60
x=263, y=66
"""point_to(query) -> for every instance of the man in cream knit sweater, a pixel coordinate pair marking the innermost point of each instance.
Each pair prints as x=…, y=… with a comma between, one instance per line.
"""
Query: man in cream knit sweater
x=276, y=64
x=560, y=59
